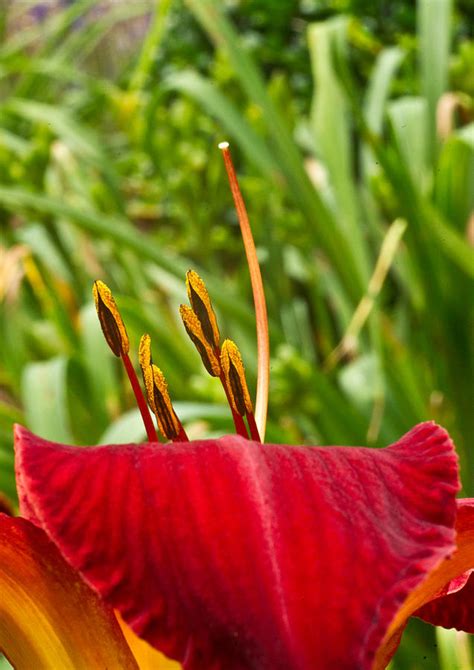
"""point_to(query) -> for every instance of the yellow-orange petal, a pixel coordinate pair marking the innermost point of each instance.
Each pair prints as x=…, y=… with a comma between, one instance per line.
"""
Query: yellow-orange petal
x=147, y=657
x=449, y=569
x=49, y=618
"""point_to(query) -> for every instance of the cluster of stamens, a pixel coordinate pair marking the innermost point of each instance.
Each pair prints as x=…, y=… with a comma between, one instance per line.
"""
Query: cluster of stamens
x=221, y=361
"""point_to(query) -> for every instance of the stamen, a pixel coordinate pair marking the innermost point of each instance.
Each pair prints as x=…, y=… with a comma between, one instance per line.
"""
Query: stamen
x=116, y=336
x=160, y=402
x=236, y=383
x=195, y=331
x=113, y=327
x=210, y=355
x=239, y=423
x=202, y=306
x=263, y=347
x=145, y=360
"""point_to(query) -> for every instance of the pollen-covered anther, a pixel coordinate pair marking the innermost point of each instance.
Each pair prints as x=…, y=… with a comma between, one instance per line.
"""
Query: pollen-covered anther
x=111, y=322
x=202, y=306
x=234, y=375
x=145, y=361
x=195, y=331
x=160, y=403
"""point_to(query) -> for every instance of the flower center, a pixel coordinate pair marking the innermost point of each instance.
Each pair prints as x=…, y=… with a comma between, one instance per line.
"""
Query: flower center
x=200, y=322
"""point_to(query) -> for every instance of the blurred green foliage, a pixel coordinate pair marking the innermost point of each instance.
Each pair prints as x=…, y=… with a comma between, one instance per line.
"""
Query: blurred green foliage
x=352, y=127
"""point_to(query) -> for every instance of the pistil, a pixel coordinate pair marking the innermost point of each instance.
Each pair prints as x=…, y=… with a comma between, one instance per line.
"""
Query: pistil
x=263, y=348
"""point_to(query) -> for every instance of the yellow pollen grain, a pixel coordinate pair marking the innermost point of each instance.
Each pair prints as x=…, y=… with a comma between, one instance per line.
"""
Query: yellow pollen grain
x=194, y=329
x=111, y=322
x=234, y=373
x=145, y=361
x=201, y=303
x=168, y=422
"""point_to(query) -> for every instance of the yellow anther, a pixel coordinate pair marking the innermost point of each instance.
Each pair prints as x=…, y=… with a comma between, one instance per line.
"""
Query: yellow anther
x=202, y=306
x=145, y=360
x=234, y=374
x=112, y=325
x=168, y=422
x=194, y=329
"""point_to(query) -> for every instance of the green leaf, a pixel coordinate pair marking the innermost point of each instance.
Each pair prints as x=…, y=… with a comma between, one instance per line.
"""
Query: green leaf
x=99, y=367
x=386, y=66
x=454, y=183
x=129, y=426
x=454, y=649
x=434, y=32
x=44, y=396
x=409, y=118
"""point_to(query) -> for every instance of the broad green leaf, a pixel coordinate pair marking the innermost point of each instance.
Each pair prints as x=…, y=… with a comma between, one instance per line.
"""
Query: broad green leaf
x=129, y=426
x=434, y=32
x=454, y=649
x=332, y=130
x=99, y=367
x=44, y=395
x=408, y=117
x=378, y=90
x=454, y=183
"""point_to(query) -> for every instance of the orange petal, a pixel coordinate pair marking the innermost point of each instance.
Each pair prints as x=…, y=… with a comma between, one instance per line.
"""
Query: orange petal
x=147, y=657
x=435, y=584
x=49, y=618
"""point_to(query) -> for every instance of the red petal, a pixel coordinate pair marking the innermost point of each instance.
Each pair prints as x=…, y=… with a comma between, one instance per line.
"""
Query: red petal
x=454, y=608
x=227, y=554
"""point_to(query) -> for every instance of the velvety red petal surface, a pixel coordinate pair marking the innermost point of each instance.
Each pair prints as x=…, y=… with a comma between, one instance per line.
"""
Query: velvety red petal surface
x=455, y=607
x=227, y=554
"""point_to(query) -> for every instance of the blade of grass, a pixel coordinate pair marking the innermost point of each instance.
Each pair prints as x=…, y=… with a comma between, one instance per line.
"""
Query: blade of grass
x=204, y=92
x=146, y=59
x=123, y=235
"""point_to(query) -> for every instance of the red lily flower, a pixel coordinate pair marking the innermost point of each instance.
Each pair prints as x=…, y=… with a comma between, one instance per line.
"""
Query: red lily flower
x=230, y=554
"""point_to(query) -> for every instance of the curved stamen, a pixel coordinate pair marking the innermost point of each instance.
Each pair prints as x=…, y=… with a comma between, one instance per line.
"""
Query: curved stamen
x=234, y=375
x=160, y=402
x=157, y=394
x=116, y=337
